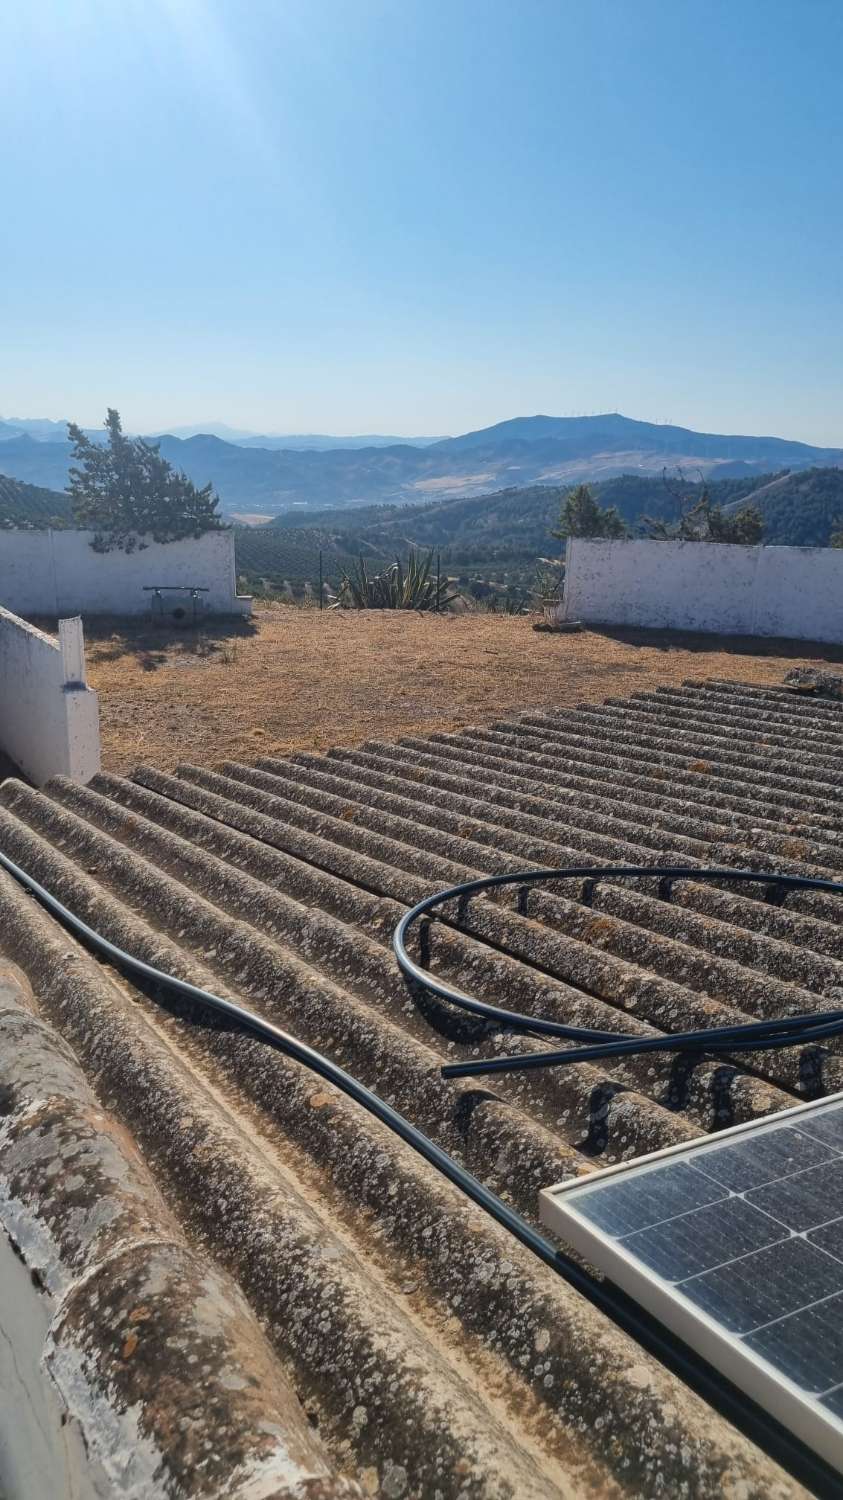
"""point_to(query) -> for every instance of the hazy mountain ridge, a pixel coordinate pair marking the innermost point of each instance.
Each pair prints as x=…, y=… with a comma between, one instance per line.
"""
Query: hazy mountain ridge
x=614, y=432
x=519, y=453
x=323, y=442
x=45, y=430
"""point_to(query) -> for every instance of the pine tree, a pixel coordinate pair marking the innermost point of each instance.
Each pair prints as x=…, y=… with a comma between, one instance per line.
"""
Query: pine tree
x=582, y=516
x=127, y=493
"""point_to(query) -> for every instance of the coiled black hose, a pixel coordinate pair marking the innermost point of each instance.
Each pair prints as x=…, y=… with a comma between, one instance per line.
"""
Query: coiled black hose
x=753, y=1420
x=755, y=1036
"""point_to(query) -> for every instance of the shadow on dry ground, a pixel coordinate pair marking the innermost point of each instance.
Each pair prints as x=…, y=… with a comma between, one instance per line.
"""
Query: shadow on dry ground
x=741, y=645
x=157, y=643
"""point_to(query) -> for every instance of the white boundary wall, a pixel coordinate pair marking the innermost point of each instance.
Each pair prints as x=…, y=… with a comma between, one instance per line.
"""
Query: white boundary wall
x=794, y=592
x=49, y=719
x=59, y=573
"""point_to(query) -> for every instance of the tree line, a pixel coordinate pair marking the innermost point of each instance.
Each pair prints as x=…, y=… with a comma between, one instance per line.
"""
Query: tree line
x=698, y=520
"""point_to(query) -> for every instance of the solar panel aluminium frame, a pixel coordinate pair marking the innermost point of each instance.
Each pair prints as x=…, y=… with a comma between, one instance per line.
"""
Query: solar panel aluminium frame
x=793, y=1407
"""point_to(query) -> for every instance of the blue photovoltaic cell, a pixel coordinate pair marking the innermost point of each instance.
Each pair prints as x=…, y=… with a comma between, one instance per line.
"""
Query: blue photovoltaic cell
x=807, y=1346
x=695, y=1242
x=762, y=1158
x=622, y=1208
x=806, y=1199
x=750, y=1232
x=758, y=1288
x=829, y=1237
x=826, y=1127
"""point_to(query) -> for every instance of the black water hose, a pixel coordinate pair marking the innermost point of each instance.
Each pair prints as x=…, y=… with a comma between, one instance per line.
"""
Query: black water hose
x=754, y=1036
x=756, y=1423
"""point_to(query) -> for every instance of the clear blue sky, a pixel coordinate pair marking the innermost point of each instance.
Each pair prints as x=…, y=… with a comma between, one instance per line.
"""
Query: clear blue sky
x=423, y=216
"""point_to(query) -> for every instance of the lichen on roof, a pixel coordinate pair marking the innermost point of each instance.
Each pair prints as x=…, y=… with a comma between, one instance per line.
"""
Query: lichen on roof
x=427, y=1352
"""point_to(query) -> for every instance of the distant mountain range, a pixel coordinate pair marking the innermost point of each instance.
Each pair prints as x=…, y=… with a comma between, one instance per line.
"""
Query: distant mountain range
x=322, y=442
x=257, y=477
x=43, y=430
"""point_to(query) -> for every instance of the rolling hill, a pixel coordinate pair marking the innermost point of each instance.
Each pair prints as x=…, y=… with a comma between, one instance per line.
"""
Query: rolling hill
x=516, y=518
x=503, y=535
x=26, y=505
x=613, y=432
x=520, y=453
x=801, y=510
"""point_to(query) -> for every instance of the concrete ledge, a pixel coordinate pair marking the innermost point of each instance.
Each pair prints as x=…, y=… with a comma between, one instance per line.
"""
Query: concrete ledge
x=49, y=717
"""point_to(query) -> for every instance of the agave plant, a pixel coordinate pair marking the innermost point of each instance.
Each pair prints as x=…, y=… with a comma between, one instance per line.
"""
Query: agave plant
x=547, y=589
x=414, y=585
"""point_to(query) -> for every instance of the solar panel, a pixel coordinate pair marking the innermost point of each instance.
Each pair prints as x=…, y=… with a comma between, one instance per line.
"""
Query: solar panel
x=736, y=1244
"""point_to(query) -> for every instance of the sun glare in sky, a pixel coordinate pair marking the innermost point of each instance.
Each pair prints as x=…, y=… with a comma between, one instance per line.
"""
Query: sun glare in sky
x=423, y=215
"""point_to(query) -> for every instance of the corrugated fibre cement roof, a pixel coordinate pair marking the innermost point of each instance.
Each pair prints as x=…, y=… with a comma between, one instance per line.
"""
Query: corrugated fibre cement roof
x=256, y=1290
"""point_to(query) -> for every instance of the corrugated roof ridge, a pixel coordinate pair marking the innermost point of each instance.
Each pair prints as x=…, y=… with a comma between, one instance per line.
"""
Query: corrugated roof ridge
x=376, y=1047
x=363, y=953
x=815, y=728
x=335, y=833
x=566, y=793
x=814, y=703
x=562, y=1098
x=581, y=751
x=634, y=941
x=347, y=1336
x=634, y=1417
x=704, y=1094
x=626, y=985
x=135, y=1312
x=371, y=778
x=817, y=757
x=801, y=776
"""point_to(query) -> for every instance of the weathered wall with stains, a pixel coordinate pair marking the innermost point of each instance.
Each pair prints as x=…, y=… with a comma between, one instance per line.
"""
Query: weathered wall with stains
x=59, y=573
x=727, y=590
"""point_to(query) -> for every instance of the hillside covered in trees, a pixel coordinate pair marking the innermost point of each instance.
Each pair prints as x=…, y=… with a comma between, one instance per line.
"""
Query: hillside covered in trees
x=804, y=509
x=504, y=535
x=28, y=506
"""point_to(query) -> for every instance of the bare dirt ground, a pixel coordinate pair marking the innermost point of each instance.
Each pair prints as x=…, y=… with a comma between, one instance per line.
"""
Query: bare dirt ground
x=295, y=679
x=300, y=680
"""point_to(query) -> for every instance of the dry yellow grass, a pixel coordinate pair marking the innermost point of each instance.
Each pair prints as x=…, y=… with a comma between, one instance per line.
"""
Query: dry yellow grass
x=300, y=680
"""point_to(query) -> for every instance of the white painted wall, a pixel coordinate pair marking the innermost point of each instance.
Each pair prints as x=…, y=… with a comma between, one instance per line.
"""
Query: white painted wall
x=59, y=573
x=794, y=592
x=49, y=719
